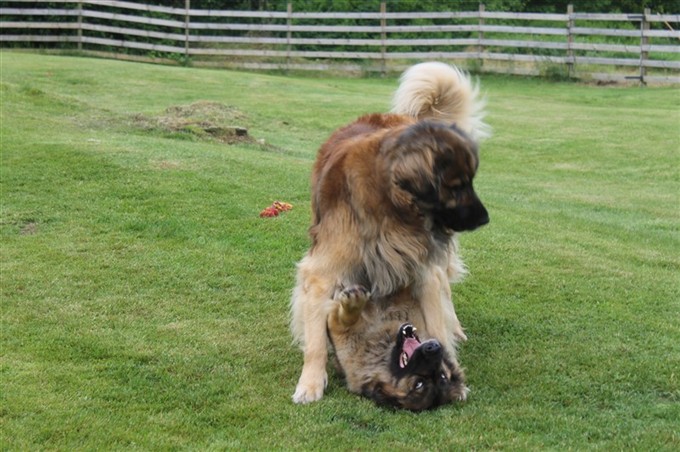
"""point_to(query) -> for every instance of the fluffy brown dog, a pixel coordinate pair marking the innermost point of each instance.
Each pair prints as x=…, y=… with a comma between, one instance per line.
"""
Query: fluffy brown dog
x=389, y=191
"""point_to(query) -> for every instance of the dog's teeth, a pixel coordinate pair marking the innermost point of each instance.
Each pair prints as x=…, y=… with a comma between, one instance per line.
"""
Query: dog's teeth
x=404, y=359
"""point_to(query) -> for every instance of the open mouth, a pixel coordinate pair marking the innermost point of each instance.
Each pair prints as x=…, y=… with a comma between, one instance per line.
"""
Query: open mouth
x=410, y=342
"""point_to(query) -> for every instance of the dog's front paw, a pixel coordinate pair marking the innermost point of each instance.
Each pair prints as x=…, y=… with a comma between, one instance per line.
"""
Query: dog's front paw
x=354, y=298
x=460, y=334
x=309, y=388
x=463, y=395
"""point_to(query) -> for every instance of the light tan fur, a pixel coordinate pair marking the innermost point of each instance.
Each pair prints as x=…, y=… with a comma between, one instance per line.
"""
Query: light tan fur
x=426, y=91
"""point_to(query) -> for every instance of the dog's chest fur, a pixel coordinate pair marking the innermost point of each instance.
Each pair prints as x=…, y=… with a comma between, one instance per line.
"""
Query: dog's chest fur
x=384, y=247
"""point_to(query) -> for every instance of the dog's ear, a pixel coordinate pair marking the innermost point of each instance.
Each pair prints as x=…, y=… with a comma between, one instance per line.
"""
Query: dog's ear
x=414, y=183
x=469, y=149
x=455, y=389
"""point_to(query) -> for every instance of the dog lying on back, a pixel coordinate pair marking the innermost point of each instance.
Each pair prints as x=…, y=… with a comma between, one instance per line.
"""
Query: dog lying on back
x=379, y=351
x=389, y=193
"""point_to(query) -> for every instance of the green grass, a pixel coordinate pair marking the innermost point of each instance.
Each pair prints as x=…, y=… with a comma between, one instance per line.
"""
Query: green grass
x=145, y=303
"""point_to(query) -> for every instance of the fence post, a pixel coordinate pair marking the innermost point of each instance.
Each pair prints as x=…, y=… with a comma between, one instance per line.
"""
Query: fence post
x=383, y=37
x=80, y=26
x=644, y=41
x=570, y=40
x=187, y=7
x=289, y=35
x=480, y=35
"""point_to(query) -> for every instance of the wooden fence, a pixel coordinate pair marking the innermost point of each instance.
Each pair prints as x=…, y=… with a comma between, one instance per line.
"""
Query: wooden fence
x=639, y=46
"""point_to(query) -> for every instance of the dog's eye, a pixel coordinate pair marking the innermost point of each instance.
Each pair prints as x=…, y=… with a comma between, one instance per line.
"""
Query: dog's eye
x=419, y=385
x=404, y=185
x=443, y=377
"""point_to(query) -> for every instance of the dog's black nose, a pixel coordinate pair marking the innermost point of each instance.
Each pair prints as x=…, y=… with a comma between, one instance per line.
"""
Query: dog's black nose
x=431, y=348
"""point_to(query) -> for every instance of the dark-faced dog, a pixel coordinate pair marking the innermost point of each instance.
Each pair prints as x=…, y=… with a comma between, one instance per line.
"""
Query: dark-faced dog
x=385, y=357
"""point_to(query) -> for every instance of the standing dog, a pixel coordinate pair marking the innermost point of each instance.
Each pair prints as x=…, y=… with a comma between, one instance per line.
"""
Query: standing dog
x=389, y=192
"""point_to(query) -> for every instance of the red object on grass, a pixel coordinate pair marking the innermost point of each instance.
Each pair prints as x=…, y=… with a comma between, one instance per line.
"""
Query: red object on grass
x=276, y=208
x=282, y=206
x=269, y=212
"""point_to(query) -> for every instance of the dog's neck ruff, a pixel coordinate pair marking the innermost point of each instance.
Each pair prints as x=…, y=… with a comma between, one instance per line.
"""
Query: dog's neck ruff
x=397, y=259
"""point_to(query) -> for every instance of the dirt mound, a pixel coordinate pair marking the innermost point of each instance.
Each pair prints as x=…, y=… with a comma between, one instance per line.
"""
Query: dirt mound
x=203, y=119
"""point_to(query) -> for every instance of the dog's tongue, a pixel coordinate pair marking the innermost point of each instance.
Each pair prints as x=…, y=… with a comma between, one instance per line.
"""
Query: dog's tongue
x=410, y=345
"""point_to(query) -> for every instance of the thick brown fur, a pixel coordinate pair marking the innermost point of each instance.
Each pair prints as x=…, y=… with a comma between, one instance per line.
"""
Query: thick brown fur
x=389, y=191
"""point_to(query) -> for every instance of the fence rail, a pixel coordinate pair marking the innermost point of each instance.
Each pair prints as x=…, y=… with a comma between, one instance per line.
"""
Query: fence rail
x=641, y=46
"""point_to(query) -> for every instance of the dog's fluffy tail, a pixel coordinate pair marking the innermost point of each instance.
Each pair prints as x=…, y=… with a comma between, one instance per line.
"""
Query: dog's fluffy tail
x=438, y=91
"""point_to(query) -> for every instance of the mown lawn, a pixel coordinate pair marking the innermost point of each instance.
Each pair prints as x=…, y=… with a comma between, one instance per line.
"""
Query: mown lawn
x=144, y=302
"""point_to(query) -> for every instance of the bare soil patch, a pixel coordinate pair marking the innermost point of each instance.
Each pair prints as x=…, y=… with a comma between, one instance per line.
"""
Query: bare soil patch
x=202, y=119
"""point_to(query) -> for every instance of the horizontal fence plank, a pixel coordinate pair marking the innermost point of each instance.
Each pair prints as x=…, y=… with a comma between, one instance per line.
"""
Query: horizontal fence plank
x=428, y=28
x=330, y=28
x=37, y=12
x=524, y=44
x=662, y=79
x=40, y=25
x=607, y=17
x=282, y=28
x=443, y=15
x=131, y=44
x=661, y=64
x=522, y=30
x=662, y=17
x=597, y=47
x=661, y=34
x=333, y=42
x=432, y=55
x=606, y=61
x=237, y=14
x=324, y=16
x=525, y=58
x=605, y=32
x=285, y=54
x=133, y=19
x=388, y=15
x=431, y=42
x=135, y=6
x=376, y=28
x=38, y=38
x=660, y=48
x=524, y=16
